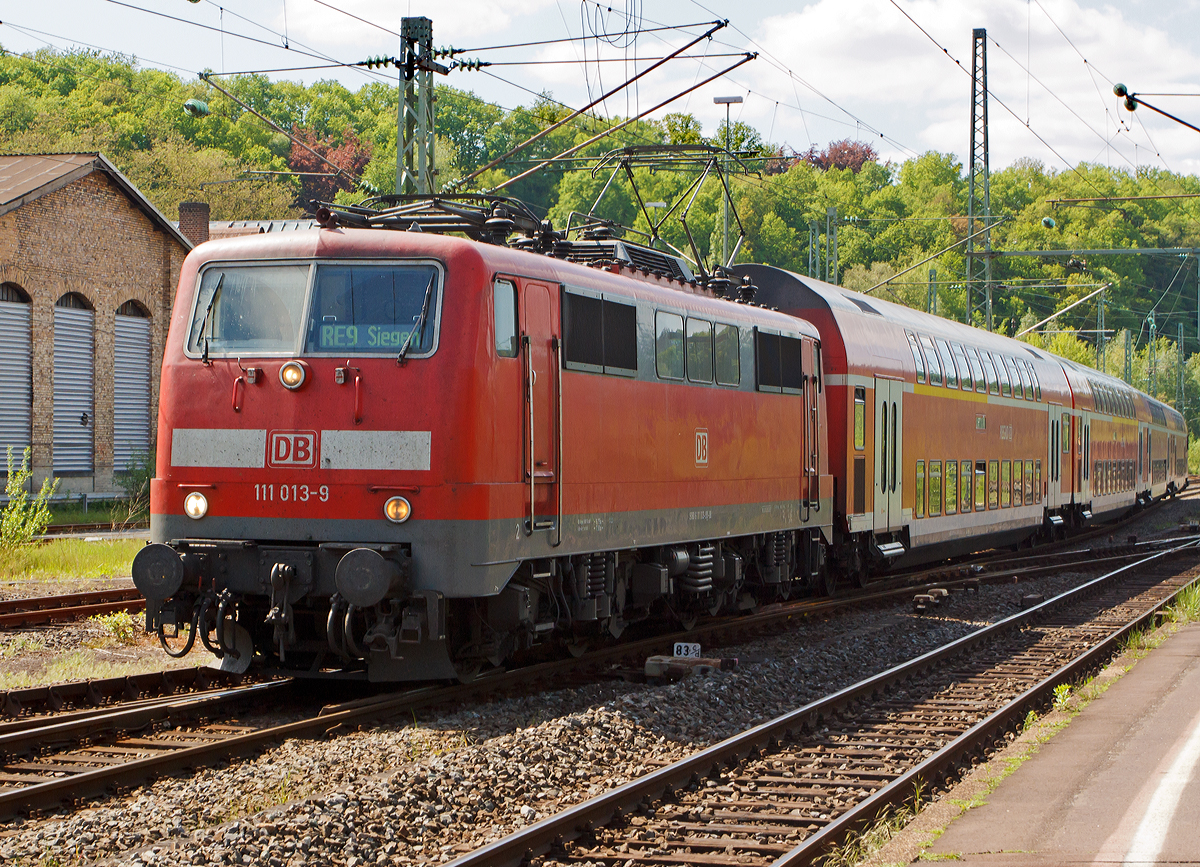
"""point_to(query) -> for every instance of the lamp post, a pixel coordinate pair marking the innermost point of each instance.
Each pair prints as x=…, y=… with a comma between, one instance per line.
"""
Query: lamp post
x=726, y=101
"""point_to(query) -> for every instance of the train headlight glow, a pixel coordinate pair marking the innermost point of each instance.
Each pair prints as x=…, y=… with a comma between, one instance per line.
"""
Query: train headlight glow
x=292, y=375
x=397, y=510
x=195, y=505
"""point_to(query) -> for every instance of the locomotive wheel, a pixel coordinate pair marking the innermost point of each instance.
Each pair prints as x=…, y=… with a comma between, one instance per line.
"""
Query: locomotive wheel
x=687, y=620
x=466, y=670
x=828, y=583
x=577, y=647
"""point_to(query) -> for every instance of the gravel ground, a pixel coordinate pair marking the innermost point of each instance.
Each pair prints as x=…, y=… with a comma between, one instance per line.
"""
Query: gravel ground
x=423, y=791
x=428, y=788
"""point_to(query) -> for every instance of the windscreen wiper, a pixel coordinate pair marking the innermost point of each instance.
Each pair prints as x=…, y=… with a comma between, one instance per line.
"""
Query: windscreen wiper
x=420, y=325
x=208, y=312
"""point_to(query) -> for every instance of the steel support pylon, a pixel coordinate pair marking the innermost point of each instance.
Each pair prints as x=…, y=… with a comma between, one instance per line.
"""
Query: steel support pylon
x=414, y=150
x=979, y=209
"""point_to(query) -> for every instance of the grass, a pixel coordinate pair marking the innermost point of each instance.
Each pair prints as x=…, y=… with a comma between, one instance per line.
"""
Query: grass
x=119, y=628
x=77, y=665
x=69, y=559
x=116, y=512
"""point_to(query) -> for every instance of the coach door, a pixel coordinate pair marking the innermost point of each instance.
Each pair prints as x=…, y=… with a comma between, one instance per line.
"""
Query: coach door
x=1054, y=442
x=543, y=382
x=889, y=458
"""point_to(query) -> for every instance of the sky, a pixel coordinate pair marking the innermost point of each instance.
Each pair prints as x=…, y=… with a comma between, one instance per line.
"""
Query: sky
x=895, y=73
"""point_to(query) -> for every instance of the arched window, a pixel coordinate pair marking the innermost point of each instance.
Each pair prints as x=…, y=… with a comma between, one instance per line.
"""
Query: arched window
x=16, y=371
x=74, y=385
x=131, y=385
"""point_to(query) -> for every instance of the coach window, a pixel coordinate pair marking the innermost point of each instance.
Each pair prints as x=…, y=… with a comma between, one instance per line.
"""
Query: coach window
x=981, y=486
x=966, y=487
x=1018, y=483
x=919, y=507
x=1026, y=382
x=1037, y=386
x=504, y=300
x=990, y=368
x=1018, y=392
x=950, y=484
x=916, y=354
x=931, y=356
x=976, y=369
x=1005, y=383
x=729, y=350
x=947, y=363
x=1037, y=481
x=935, y=488
x=1005, y=484
x=668, y=345
x=1029, y=483
x=964, y=370
x=699, y=350
x=993, y=484
x=860, y=417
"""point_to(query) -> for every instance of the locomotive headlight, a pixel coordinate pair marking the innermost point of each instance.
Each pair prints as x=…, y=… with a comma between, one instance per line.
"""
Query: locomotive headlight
x=397, y=510
x=195, y=505
x=292, y=375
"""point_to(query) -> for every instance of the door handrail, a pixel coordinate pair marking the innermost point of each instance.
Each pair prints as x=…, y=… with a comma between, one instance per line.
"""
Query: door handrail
x=528, y=347
x=556, y=343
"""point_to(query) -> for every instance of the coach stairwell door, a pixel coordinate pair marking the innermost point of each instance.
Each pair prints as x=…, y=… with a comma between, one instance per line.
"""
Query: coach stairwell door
x=889, y=458
x=540, y=353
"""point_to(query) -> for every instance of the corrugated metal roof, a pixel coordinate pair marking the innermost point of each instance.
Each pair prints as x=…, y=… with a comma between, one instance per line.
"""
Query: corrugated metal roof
x=27, y=177
x=24, y=178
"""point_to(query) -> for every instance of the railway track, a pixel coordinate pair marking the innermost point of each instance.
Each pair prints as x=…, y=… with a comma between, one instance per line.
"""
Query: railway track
x=35, y=610
x=785, y=792
x=57, y=759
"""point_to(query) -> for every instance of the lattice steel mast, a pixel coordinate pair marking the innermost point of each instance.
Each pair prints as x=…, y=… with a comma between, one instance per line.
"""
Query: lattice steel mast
x=979, y=264
x=414, y=124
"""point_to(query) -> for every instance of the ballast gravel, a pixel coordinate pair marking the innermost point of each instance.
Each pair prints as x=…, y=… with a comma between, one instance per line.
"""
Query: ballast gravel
x=426, y=790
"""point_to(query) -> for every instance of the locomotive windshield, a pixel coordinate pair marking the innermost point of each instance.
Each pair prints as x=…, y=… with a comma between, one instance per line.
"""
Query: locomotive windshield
x=248, y=310
x=368, y=308
x=361, y=308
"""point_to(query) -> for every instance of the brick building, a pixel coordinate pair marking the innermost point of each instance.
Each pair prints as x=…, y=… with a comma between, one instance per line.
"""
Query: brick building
x=88, y=270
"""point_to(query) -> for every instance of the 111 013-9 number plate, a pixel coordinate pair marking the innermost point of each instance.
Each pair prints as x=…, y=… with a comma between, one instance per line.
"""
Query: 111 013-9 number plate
x=270, y=493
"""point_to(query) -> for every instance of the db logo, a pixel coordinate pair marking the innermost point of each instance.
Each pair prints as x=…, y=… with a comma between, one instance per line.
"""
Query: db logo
x=292, y=448
x=702, y=447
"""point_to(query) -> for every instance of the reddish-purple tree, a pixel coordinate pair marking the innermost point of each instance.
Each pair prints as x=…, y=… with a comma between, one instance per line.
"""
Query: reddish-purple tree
x=351, y=155
x=844, y=154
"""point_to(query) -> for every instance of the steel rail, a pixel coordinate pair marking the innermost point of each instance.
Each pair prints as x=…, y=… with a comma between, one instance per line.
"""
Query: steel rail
x=541, y=836
x=33, y=610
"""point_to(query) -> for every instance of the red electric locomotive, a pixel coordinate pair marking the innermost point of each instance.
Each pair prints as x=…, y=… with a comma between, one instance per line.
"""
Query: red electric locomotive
x=412, y=455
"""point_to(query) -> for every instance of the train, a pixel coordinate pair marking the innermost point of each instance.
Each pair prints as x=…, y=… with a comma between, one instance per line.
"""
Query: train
x=434, y=437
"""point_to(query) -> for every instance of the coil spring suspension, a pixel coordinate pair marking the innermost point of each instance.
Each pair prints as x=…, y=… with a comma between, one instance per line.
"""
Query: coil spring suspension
x=701, y=567
x=781, y=548
x=597, y=574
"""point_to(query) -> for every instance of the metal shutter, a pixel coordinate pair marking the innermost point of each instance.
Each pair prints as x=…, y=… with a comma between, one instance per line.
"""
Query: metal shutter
x=16, y=384
x=74, y=408
x=131, y=392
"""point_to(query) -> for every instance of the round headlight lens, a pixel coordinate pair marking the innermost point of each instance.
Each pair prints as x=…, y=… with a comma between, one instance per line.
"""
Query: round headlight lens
x=397, y=510
x=292, y=375
x=195, y=505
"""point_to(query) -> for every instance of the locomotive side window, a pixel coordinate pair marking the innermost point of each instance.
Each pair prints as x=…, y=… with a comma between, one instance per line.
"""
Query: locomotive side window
x=767, y=352
x=791, y=353
x=249, y=309
x=976, y=369
x=699, y=350
x=620, y=337
x=729, y=355
x=935, y=367
x=947, y=363
x=860, y=417
x=916, y=354
x=668, y=345
x=372, y=308
x=504, y=300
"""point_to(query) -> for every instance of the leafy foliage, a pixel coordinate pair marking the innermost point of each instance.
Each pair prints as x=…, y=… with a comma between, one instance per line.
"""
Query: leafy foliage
x=22, y=519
